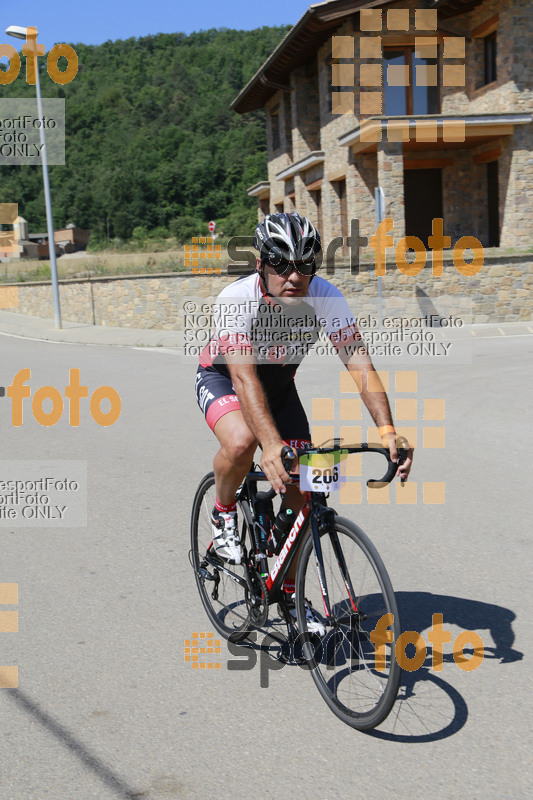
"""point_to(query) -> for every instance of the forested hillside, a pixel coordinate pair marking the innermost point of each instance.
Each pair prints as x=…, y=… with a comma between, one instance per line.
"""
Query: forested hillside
x=150, y=136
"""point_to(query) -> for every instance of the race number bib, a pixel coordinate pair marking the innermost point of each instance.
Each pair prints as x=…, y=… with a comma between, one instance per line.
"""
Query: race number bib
x=321, y=472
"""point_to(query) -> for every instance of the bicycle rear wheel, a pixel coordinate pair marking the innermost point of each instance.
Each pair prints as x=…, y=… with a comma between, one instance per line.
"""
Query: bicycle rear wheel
x=222, y=586
x=345, y=663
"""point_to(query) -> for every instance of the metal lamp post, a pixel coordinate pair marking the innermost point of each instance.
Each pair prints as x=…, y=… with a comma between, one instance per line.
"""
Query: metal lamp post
x=22, y=33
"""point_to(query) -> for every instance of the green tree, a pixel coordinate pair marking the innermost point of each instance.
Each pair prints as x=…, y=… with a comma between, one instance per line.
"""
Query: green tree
x=150, y=137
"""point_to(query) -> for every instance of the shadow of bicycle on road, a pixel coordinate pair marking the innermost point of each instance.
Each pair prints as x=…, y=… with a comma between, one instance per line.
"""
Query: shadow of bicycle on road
x=428, y=707
x=417, y=608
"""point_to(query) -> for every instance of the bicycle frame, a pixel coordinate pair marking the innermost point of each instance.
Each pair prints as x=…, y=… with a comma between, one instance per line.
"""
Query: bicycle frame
x=336, y=642
x=314, y=513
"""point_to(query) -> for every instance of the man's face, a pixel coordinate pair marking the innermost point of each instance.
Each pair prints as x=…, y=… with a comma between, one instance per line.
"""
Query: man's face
x=289, y=286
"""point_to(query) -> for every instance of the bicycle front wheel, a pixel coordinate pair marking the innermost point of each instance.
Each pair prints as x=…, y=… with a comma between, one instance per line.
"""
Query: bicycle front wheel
x=222, y=586
x=357, y=676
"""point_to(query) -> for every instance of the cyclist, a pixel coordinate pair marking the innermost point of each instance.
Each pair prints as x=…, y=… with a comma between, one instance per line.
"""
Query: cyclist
x=266, y=322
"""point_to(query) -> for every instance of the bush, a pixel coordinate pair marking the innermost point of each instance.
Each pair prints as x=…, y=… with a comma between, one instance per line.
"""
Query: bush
x=184, y=228
x=139, y=235
x=240, y=222
x=97, y=242
x=158, y=233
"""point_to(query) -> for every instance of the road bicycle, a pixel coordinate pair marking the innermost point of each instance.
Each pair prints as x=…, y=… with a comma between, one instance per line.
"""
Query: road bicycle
x=339, y=572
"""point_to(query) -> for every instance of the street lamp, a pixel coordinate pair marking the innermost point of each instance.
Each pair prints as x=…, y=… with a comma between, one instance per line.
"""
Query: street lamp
x=19, y=32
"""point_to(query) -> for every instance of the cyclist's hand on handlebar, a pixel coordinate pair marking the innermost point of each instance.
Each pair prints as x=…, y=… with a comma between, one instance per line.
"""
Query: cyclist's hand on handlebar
x=272, y=465
x=405, y=467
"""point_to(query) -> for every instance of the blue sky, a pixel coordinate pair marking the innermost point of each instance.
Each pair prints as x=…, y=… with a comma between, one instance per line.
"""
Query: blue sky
x=96, y=21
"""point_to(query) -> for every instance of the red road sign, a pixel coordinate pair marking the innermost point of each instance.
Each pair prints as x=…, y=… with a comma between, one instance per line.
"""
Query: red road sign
x=212, y=226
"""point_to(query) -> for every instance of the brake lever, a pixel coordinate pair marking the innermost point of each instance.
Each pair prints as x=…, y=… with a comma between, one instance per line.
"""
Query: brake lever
x=391, y=470
x=287, y=457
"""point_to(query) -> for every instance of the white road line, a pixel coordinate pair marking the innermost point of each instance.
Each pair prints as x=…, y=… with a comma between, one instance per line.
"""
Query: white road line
x=176, y=351
x=88, y=344
x=152, y=348
x=507, y=336
x=31, y=339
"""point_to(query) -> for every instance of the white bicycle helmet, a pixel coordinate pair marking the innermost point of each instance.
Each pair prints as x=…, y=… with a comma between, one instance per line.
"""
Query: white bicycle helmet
x=286, y=237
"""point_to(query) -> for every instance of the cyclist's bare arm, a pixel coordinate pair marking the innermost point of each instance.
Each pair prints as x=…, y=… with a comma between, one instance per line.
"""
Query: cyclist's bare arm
x=256, y=413
x=360, y=367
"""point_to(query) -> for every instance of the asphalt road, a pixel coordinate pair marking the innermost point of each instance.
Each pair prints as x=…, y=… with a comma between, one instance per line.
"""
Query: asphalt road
x=106, y=705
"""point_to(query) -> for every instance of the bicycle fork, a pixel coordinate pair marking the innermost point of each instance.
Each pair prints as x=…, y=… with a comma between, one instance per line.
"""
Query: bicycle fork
x=322, y=520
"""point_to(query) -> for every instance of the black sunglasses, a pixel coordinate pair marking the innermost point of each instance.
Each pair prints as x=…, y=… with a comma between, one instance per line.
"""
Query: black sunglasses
x=286, y=267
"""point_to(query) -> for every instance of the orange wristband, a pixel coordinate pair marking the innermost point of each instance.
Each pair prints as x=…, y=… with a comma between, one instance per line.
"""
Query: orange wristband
x=386, y=429
x=384, y=432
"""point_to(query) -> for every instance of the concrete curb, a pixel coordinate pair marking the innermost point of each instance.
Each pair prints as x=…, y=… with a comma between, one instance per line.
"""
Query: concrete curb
x=40, y=329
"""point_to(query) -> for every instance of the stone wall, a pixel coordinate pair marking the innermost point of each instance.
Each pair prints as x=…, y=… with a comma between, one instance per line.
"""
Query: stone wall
x=390, y=179
x=500, y=292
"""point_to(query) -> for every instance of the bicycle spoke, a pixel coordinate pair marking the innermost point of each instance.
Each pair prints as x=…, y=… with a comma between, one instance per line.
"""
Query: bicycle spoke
x=344, y=665
x=223, y=587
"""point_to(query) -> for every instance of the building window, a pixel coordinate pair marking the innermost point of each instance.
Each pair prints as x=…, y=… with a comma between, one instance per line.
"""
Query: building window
x=287, y=114
x=340, y=189
x=274, y=128
x=317, y=200
x=290, y=203
x=486, y=50
x=410, y=98
x=489, y=43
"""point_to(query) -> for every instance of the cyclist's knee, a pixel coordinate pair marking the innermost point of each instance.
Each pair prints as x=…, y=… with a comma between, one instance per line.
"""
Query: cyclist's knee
x=240, y=448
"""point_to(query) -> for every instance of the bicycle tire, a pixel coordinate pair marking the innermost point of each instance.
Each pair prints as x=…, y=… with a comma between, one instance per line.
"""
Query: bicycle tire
x=343, y=662
x=228, y=611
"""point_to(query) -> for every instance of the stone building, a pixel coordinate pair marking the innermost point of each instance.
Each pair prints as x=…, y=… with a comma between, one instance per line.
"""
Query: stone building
x=430, y=100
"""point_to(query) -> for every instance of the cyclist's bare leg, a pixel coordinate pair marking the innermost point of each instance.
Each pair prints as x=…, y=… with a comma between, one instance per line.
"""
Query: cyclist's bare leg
x=234, y=459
